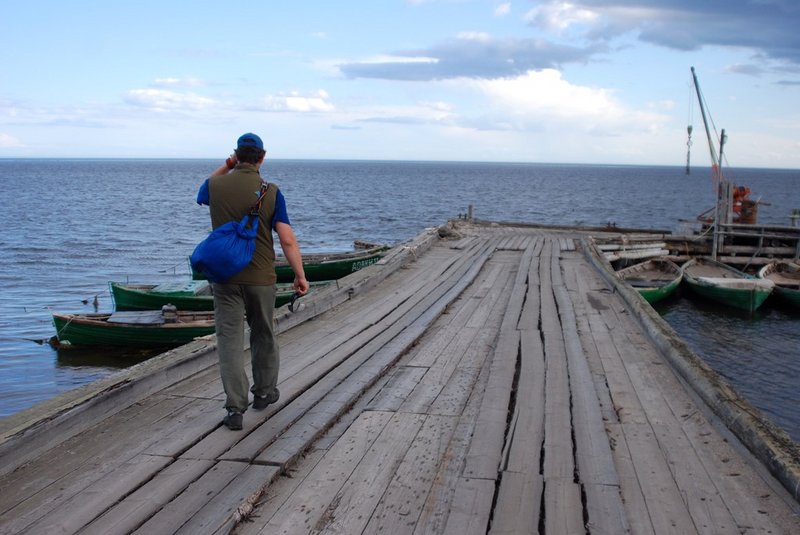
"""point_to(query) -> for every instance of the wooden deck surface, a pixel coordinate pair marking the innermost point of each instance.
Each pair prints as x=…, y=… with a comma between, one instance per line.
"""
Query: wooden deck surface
x=494, y=384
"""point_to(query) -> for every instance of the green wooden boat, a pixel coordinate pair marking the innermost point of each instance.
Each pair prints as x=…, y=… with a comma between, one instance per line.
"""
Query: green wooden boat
x=724, y=284
x=149, y=328
x=654, y=279
x=786, y=276
x=325, y=266
x=187, y=295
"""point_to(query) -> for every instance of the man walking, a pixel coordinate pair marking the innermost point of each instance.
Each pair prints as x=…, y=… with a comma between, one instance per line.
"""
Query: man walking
x=230, y=192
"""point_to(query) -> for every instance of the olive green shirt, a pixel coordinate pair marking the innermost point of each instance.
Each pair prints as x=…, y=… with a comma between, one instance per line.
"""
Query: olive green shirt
x=231, y=197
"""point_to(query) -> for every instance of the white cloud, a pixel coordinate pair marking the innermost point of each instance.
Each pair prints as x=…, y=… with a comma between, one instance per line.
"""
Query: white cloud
x=539, y=98
x=560, y=15
x=295, y=102
x=163, y=100
x=384, y=59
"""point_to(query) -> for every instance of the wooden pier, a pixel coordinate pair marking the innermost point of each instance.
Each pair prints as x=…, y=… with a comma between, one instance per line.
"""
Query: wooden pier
x=494, y=381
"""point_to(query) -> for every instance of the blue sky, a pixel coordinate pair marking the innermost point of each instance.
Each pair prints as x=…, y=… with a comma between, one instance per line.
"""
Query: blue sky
x=589, y=81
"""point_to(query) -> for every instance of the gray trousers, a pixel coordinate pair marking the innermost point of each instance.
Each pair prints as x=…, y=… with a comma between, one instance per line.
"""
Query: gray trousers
x=232, y=304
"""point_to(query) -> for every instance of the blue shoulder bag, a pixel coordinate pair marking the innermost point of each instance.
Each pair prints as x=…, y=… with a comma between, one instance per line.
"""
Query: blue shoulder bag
x=228, y=248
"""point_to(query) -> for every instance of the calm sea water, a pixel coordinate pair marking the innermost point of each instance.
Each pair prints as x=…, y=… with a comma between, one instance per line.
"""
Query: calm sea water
x=71, y=226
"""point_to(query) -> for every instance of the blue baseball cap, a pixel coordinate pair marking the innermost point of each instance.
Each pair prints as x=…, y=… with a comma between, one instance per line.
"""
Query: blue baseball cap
x=250, y=141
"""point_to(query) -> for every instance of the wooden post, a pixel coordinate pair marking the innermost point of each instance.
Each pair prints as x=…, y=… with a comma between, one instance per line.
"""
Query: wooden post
x=795, y=216
x=723, y=216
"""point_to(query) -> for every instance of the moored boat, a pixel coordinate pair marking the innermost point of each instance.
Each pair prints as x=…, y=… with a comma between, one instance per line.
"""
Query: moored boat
x=187, y=295
x=654, y=279
x=331, y=266
x=724, y=284
x=786, y=276
x=148, y=328
x=326, y=266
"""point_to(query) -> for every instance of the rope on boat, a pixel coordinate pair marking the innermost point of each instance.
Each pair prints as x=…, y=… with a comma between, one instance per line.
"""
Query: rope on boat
x=61, y=331
x=758, y=250
x=174, y=269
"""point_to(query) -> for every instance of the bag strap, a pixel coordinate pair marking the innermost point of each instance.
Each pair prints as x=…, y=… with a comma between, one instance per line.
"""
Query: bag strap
x=257, y=206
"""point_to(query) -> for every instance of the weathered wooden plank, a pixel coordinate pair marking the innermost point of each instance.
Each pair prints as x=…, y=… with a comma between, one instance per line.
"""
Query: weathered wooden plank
x=359, y=282
x=471, y=507
x=454, y=395
x=400, y=384
x=660, y=392
x=451, y=398
x=382, y=357
x=35, y=432
x=668, y=511
x=513, y=310
x=706, y=507
x=563, y=513
x=194, y=421
x=434, y=515
x=504, y=243
x=353, y=506
x=276, y=494
x=196, y=385
x=708, y=511
x=737, y=486
x=175, y=513
x=549, y=312
x=304, y=509
x=486, y=448
x=652, y=471
x=631, y=491
x=426, y=353
x=286, y=447
x=558, y=457
x=135, y=509
x=525, y=438
x=577, y=285
x=231, y=503
x=72, y=514
x=81, y=461
x=371, y=311
x=529, y=317
x=463, y=242
x=518, y=506
x=593, y=453
x=439, y=373
x=626, y=404
x=470, y=309
x=491, y=309
x=335, y=431
x=337, y=401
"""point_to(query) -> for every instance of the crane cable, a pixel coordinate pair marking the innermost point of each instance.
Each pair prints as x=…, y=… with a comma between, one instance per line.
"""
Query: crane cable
x=689, y=130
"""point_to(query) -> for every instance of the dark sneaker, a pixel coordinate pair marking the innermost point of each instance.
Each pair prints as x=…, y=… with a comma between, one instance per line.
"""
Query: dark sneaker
x=233, y=420
x=261, y=403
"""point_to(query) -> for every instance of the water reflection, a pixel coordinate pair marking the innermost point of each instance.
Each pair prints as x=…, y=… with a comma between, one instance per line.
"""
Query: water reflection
x=104, y=358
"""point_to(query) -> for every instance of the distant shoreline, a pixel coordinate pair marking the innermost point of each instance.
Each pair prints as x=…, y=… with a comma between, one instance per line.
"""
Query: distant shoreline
x=699, y=169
